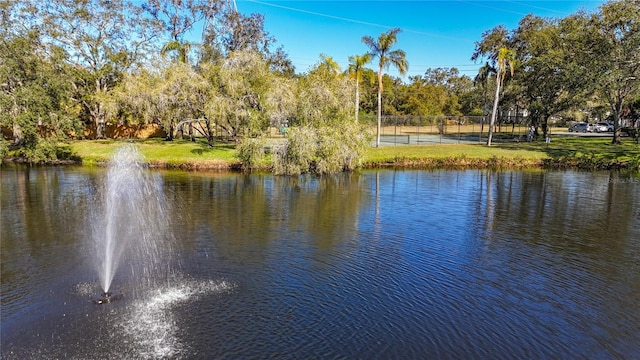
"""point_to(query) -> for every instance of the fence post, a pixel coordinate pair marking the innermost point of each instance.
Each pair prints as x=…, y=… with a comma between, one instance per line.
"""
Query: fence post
x=395, y=131
x=473, y=128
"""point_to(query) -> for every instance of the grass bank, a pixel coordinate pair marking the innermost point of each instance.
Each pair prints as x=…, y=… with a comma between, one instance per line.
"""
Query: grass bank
x=177, y=154
x=588, y=153
x=453, y=156
x=562, y=153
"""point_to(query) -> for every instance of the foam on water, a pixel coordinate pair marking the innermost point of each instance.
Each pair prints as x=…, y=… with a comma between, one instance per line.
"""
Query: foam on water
x=152, y=323
x=86, y=289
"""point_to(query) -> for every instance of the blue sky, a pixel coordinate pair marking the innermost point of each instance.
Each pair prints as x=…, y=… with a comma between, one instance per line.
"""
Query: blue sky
x=434, y=33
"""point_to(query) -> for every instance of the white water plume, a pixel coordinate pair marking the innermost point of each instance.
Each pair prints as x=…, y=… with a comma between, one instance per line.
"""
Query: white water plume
x=131, y=222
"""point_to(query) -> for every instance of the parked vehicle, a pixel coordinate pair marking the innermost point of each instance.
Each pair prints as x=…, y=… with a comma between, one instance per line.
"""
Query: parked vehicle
x=607, y=125
x=579, y=127
x=600, y=127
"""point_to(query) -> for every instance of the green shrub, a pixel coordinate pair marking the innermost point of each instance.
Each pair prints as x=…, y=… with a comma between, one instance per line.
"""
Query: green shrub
x=251, y=152
x=298, y=154
x=38, y=150
x=356, y=140
x=323, y=150
x=4, y=148
x=328, y=159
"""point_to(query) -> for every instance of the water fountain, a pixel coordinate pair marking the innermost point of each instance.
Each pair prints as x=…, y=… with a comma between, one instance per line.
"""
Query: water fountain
x=130, y=224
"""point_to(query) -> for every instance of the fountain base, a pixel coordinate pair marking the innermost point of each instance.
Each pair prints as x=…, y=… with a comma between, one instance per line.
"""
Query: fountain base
x=107, y=297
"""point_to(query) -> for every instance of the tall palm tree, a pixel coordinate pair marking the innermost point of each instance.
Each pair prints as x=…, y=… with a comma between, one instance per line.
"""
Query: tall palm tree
x=381, y=48
x=356, y=64
x=482, y=80
x=506, y=59
x=182, y=49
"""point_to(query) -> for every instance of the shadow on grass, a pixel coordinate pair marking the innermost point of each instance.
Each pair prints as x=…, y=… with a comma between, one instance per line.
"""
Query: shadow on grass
x=200, y=145
x=156, y=147
x=588, y=153
x=204, y=148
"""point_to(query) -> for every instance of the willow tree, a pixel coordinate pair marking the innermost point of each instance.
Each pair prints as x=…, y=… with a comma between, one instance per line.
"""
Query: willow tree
x=324, y=138
x=324, y=96
x=167, y=96
x=356, y=64
x=243, y=80
x=382, y=48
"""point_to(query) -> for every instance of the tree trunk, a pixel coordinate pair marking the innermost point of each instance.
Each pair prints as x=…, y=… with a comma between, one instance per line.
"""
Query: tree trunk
x=617, y=108
x=210, y=140
x=98, y=113
x=495, y=110
x=357, y=98
x=17, y=134
x=99, y=120
x=379, y=106
x=100, y=126
x=172, y=128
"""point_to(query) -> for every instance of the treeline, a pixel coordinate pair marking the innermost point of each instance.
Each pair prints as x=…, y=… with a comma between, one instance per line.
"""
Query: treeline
x=68, y=64
x=581, y=66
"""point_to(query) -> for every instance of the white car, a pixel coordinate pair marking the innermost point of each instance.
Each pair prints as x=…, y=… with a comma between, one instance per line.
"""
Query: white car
x=599, y=127
x=605, y=125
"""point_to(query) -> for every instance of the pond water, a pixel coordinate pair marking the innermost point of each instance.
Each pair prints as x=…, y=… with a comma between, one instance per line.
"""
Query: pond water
x=374, y=265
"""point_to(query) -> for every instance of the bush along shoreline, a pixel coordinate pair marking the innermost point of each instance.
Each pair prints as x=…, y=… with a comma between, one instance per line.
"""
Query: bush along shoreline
x=502, y=163
x=591, y=163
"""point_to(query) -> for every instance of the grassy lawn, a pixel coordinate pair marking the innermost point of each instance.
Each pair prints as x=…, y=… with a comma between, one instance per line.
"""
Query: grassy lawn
x=158, y=151
x=587, y=153
x=454, y=155
x=480, y=151
x=577, y=152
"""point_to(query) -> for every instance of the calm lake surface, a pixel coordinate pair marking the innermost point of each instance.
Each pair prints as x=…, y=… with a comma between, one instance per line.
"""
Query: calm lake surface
x=375, y=265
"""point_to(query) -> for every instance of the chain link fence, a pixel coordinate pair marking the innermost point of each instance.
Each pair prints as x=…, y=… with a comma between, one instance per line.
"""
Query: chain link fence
x=408, y=129
x=441, y=129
